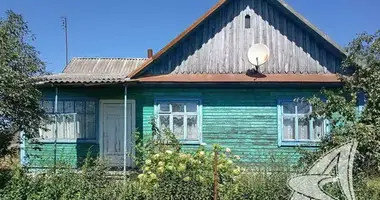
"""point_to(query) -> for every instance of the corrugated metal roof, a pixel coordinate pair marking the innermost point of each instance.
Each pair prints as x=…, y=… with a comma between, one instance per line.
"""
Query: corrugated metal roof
x=103, y=65
x=94, y=70
x=82, y=78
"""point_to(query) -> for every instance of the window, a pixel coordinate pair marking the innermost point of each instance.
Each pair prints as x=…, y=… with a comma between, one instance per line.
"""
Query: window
x=75, y=120
x=362, y=101
x=182, y=118
x=294, y=125
x=247, y=21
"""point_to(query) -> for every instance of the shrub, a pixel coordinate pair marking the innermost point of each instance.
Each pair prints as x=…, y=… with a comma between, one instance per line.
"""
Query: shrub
x=93, y=182
x=165, y=173
x=176, y=175
x=259, y=185
x=168, y=173
x=65, y=183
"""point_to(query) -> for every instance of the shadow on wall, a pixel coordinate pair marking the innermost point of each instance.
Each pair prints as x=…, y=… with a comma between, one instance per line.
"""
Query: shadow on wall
x=42, y=155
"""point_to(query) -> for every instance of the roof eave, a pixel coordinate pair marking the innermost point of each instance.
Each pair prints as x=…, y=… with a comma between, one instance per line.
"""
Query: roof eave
x=242, y=78
x=42, y=83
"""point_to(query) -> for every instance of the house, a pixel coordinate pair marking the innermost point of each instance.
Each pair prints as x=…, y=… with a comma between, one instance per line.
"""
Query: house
x=201, y=86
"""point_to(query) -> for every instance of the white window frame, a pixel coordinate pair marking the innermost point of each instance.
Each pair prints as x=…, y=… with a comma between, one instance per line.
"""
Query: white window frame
x=75, y=139
x=185, y=114
x=297, y=141
x=54, y=116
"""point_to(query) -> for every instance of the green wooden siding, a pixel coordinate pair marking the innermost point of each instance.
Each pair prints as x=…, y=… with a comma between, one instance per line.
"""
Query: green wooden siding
x=244, y=120
x=72, y=154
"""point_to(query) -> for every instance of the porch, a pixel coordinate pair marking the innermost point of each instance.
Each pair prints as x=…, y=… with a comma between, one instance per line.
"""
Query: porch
x=85, y=122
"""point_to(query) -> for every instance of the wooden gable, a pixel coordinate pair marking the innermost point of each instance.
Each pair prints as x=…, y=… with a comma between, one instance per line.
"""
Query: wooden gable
x=220, y=42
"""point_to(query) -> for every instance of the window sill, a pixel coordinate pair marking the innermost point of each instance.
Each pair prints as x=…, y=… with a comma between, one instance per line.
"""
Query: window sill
x=299, y=143
x=192, y=143
x=67, y=141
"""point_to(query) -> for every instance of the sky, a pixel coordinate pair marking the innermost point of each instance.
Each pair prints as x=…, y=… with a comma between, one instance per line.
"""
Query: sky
x=127, y=28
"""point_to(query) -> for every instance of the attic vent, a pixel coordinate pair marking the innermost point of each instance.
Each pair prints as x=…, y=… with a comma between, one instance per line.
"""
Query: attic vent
x=247, y=21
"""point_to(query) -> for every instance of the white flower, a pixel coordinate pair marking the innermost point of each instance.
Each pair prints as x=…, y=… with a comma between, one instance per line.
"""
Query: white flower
x=237, y=157
x=181, y=167
x=187, y=179
x=156, y=156
x=148, y=162
x=201, y=153
x=141, y=176
x=169, y=152
x=228, y=150
x=161, y=170
x=236, y=172
x=182, y=156
x=153, y=176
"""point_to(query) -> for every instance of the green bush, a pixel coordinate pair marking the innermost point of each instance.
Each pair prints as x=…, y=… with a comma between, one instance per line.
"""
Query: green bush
x=165, y=173
x=93, y=182
x=65, y=183
x=169, y=173
x=258, y=185
x=176, y=175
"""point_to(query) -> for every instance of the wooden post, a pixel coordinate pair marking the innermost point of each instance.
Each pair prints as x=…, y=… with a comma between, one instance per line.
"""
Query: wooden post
x=216, y=176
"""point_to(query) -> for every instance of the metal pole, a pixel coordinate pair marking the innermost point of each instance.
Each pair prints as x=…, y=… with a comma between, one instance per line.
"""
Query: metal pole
x=56, y=127
x=64, y=23
x=125, y=131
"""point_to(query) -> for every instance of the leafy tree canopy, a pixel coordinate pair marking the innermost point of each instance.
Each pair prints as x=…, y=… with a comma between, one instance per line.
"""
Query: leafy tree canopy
x=19, y=98
x=361, y=77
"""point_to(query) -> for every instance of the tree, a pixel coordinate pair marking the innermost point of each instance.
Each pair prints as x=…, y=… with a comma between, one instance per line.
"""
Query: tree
x=360, y=76
x=19, y=98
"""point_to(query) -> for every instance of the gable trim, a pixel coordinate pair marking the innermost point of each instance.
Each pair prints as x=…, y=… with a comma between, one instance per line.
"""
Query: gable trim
x=280, y=3
x=308, y=24
x=178, y=38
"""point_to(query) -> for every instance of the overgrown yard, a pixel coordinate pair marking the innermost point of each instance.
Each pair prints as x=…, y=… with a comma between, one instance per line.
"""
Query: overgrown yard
x=166, y=174
x=93, y=182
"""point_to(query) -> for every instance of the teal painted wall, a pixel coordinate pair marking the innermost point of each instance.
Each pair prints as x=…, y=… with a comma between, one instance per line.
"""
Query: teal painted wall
x=244, y=120
x=72, y=154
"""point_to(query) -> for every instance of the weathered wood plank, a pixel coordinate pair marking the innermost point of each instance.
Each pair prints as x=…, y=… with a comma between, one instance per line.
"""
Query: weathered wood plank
x=220, y=44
